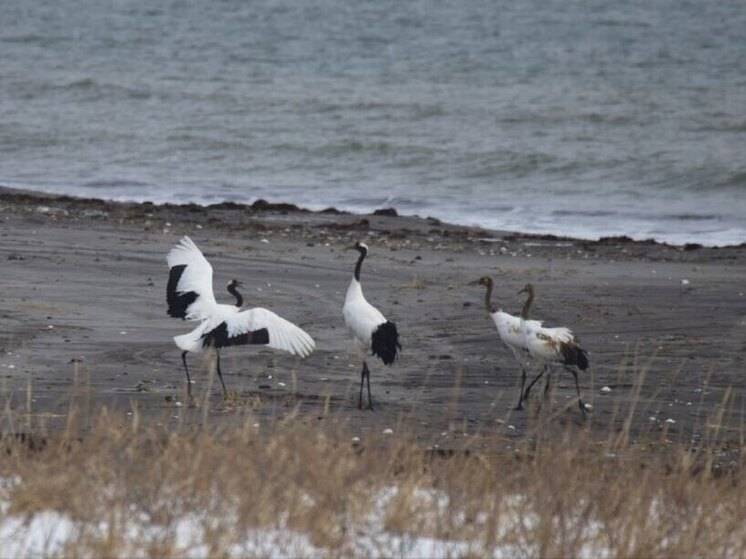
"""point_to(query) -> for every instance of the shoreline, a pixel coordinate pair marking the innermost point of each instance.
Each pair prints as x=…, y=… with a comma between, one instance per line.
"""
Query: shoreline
x=262, y=205
x=83, y=298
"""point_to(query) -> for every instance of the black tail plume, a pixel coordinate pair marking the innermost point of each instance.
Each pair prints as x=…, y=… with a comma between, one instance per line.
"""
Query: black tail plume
x=582, y=359
x=575, y=355
x=385, y=342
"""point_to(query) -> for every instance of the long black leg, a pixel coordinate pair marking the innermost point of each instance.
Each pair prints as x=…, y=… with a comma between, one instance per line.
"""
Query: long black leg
x=523, y=384
x=370, y=398
x=186, y=370
x=220, y=374
x=531, y=384
x=362, y=380
x=548, y=382
x=581, y=405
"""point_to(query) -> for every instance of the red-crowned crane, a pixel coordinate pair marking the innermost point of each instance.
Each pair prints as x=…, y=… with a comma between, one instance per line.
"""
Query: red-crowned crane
x=370, y=329
x=190, y=297
x=509, y=331
x=551, y=345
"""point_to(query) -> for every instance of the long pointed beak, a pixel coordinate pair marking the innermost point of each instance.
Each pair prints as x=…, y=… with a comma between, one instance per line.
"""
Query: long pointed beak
x=352, y=247
x=524, y=290
x=475, y=282
x=239, y=283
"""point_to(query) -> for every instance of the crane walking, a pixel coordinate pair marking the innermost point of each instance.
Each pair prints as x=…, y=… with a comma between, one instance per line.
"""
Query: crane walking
x=551, y=345
x=509, y=331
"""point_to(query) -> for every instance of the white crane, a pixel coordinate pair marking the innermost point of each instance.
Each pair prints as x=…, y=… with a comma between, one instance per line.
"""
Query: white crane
x=551, y=345
x=509, y=330
x=190, y=297
x=370, y=329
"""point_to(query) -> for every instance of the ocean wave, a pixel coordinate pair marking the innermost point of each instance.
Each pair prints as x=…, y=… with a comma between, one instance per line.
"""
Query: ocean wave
x=692, y=217
x=584, y=213
x=356, y=147
x=116, y=184
x=42, y=40
x=501, y=163
x=728, y=124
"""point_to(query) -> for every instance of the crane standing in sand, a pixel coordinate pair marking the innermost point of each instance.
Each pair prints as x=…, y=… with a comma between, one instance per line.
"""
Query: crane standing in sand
x=551, y=345
x=190, y=297
x=370, y=329
x=509, y=331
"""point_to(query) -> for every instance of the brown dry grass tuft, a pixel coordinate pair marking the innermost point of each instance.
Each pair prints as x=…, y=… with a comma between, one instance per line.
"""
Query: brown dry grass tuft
x=128, y=487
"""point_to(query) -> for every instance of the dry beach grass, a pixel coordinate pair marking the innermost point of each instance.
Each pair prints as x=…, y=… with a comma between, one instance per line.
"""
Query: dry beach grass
x=113, y=485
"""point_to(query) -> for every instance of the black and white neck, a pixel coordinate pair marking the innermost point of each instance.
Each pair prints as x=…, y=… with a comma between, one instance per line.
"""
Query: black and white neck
x=362, y=248
x=232, y=289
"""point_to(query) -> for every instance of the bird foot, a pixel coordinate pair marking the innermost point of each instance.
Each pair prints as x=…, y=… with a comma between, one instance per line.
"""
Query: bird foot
x=519, y=407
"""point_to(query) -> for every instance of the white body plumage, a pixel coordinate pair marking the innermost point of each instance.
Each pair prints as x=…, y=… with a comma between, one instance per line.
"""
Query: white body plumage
x=509, y=330
x=360, y=316
x=543, y=344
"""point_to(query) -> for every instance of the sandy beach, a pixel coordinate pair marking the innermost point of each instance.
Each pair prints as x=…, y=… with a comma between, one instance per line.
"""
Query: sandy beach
x=82, y=310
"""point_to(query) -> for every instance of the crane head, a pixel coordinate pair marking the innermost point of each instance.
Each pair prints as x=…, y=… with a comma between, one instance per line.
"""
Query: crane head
x=484, y=280
x=528, y=288
x=362, y=248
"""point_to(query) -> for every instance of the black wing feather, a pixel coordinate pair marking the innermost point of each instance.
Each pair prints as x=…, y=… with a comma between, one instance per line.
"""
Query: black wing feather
x=218, y=337
x=178, y=302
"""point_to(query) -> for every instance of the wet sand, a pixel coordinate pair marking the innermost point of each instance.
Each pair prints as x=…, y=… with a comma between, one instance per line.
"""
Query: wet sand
x=83, y=313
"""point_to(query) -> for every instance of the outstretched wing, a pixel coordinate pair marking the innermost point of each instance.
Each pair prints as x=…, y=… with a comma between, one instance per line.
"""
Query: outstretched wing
x=189, y=292
x=260, y=326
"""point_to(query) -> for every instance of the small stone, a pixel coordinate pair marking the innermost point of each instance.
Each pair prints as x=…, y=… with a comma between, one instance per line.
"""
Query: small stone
x=388, y=431
x=605, y=390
